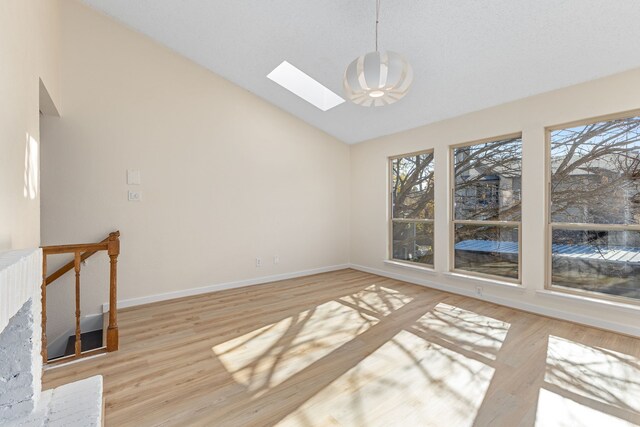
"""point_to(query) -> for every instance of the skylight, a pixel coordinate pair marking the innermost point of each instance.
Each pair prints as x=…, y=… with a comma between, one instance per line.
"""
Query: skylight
x=296, y=81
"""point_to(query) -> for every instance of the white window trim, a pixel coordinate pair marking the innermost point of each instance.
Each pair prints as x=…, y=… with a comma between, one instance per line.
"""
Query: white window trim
x=489, y=278
x=390, y=260
x=410, y=266
x=576, y=293
x=484, y=281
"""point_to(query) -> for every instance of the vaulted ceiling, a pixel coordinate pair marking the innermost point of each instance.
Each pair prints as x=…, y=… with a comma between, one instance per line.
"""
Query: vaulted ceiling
x=466, y=54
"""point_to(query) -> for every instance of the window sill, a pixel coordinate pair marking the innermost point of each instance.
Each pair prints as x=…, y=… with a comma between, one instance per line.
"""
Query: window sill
x=596, y=301
x=483, y=281
x=408, y=266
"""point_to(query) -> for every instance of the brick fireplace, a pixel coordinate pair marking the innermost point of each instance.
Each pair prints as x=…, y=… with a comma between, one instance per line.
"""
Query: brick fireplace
x=22, y=402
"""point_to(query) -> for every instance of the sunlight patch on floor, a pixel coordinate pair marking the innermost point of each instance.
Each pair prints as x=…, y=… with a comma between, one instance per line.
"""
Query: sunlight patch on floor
x=406, y=382
x=379, y=299
x=558, y=411
x=264, y=358
x=465, y=329
x=594, y=373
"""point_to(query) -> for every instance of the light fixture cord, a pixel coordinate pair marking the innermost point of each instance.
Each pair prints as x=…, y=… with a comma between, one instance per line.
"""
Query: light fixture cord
x=377, y=21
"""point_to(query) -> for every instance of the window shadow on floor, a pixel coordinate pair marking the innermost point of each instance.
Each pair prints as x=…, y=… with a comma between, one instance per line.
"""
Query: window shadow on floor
x=354, y=349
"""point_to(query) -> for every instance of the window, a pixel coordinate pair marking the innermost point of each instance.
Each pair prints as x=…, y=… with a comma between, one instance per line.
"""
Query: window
x=412, y=208
x=485, y=227
x=594, y=211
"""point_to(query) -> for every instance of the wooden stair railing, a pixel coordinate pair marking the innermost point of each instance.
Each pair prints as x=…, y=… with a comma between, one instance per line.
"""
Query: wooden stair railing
x=80, y=253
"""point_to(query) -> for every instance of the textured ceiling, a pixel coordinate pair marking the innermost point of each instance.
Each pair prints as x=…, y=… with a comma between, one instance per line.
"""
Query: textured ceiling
x=466, y=54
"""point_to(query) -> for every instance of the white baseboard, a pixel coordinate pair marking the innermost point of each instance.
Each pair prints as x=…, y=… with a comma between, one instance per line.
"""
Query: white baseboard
x=132, y=302
x=627, y=329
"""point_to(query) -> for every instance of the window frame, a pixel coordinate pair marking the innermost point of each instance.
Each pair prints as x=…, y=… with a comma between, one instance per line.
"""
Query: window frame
x=550, y=226
x=453, y=221
x=390, y=159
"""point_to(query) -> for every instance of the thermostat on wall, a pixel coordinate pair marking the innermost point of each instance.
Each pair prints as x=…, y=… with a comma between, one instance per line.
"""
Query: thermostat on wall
x=133, y=177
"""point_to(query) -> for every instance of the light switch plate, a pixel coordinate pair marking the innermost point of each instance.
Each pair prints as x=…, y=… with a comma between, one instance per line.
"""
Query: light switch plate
x=133, y=177
x=135, y=196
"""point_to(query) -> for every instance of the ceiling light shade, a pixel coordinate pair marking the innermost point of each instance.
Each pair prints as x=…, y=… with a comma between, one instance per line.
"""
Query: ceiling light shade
x=377, y=79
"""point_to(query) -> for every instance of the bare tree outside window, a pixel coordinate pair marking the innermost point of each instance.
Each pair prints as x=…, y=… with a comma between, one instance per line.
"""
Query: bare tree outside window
x=412, y=208
x=595, y=207
x=487, y=207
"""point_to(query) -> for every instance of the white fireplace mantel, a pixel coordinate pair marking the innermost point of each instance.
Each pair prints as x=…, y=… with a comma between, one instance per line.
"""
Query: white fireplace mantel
x=20, y=278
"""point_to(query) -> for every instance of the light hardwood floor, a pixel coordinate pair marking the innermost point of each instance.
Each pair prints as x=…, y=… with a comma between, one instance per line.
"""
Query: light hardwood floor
x=353, y=349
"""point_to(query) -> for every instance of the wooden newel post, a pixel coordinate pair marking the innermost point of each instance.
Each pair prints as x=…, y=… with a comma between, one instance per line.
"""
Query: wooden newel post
x=113, y=251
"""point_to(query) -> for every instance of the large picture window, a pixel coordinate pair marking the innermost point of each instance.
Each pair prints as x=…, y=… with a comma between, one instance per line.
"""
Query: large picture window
x=412, y=186
x=594, y=211
x=485, y=227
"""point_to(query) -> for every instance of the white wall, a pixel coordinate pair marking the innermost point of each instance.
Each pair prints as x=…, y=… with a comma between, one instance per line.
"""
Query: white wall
x=226, y=176
x=28, y=52
x=369, y=194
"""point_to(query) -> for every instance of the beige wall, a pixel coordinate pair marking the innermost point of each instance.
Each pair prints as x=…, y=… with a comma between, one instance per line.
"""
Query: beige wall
x=226, y=176
x=28, y=52
x=369, y=194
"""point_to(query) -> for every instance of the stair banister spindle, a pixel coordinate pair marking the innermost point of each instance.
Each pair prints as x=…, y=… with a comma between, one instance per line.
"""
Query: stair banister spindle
x=76, y=267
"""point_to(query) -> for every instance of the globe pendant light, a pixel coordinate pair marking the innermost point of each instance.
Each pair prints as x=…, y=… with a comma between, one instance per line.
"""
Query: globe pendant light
x=377, y=78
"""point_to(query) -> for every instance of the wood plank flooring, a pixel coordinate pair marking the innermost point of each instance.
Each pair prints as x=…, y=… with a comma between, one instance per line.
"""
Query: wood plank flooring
x=353, y=349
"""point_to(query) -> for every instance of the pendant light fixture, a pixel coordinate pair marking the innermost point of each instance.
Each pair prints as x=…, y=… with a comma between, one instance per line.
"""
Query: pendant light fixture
x=377, y=78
